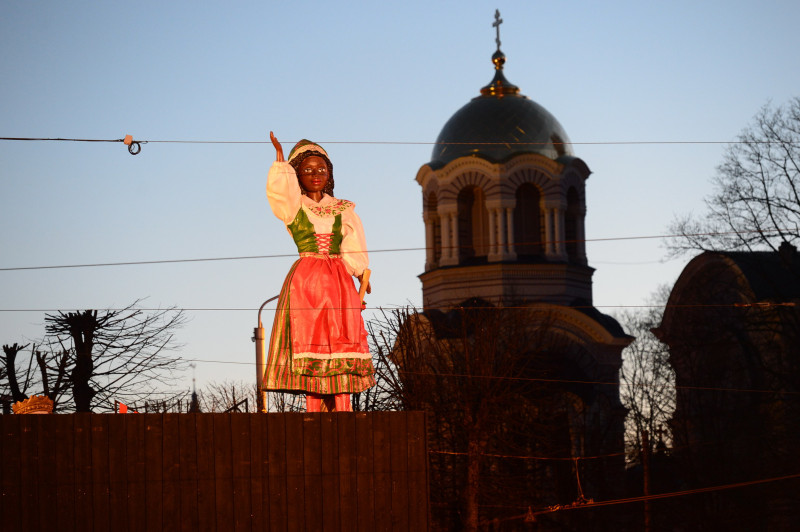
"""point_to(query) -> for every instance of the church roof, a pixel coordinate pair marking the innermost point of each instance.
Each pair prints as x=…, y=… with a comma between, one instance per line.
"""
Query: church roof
x=499, y=124
x=771, y=275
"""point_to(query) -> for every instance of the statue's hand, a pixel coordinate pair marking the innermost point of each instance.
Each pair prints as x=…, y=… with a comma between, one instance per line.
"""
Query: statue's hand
x=361, y=281
x=278, y=147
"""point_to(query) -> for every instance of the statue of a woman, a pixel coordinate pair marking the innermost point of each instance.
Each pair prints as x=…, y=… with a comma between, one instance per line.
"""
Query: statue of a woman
x=318, y=344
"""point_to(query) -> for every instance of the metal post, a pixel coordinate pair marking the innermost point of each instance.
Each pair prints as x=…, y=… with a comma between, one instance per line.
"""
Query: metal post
x=261, y=344
x=259, y=337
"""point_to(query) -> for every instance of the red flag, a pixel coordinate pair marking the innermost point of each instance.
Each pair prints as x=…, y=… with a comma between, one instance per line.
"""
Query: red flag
x=122, y=408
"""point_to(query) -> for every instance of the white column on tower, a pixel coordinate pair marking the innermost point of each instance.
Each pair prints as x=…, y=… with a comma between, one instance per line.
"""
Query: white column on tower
x=559, y=233
x=510, y=231
x=447, y=250
x=548, y=232
x=430, y=242
x=454, y=249
x=492, y=232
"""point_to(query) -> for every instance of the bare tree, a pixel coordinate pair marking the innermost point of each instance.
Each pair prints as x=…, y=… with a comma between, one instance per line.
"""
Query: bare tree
x=647, y=380
x=756, y=197
x=485, y=377
x=228, y=396
x=117, y=354
x=737, y=325
x=11, y=372
x=44, y=372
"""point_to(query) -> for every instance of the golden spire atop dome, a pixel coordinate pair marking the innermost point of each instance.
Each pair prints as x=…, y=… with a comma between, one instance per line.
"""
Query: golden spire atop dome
x=499, y=86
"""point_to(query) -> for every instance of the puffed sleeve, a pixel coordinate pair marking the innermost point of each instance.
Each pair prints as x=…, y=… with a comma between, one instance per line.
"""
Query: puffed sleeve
x=283, y=191
x=354, y=243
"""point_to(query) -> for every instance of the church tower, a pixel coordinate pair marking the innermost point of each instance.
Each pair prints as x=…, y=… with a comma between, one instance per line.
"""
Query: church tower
x=504, y=205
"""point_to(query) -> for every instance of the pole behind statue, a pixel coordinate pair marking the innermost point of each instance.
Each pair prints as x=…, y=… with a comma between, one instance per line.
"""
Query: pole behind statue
x=260, y=338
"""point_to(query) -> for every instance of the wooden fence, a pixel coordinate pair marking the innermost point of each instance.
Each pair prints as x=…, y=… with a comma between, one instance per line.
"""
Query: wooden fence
x=330, y=471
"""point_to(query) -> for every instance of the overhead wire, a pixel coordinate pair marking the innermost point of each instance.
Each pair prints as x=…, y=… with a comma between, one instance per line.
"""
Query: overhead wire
x=594, y=504
x=410, y=143
x=535, y=379
x=422, y=309
x=371, y=251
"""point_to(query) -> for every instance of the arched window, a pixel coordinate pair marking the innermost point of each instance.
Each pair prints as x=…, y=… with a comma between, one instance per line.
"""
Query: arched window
x=431, y=208
x=473, y=224
x=528, y=234
x=571, y=221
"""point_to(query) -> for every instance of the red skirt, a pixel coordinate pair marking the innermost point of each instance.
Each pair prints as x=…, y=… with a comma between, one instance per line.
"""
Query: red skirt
x=318, y=342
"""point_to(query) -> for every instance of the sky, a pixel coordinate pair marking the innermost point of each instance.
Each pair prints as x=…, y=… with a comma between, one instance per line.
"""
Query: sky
x=374, y=83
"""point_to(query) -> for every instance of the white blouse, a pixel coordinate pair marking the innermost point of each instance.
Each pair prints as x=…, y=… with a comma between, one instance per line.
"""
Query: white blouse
x=286, y=198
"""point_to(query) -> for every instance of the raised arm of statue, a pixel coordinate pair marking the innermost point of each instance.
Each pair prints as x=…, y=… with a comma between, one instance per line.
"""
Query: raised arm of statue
x=278, y=147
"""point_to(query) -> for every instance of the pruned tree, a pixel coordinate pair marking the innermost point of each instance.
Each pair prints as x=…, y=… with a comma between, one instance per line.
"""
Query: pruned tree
x=10, y=353
x=43, y=372
x=117, y=354
x=755, y=203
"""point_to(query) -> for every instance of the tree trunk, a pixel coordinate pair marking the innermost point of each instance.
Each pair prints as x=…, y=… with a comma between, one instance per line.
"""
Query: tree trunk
x=472, y=489
x=11, y=368
x=82, y=330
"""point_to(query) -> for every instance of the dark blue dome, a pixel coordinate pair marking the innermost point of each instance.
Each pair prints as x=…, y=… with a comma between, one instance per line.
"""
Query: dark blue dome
x=499, y=124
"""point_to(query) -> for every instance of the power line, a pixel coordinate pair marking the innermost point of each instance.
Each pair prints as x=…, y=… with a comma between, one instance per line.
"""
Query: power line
x=535, y=379
x=590, y=504
x=533, y=306
x=386, y=250
x=412, y=143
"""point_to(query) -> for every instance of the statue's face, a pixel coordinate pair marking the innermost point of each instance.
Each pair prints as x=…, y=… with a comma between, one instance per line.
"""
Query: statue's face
x=313, y=174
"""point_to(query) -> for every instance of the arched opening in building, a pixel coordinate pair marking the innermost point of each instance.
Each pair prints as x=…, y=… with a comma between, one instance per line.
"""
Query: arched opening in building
x=528, y=234
x=473, y=224
x=571, y=221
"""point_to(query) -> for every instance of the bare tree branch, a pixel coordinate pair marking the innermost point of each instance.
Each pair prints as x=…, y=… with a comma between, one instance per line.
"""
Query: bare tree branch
x=756, y=202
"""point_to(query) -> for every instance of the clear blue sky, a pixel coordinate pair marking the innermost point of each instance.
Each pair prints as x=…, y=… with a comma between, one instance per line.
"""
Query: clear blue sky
x=341, y=72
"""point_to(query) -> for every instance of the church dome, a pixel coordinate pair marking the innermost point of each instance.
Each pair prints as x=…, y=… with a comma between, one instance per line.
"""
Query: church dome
x=499, y=124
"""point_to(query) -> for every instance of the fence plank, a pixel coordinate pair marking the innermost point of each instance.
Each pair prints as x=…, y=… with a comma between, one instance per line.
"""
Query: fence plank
x=3, y=471
x=398, y=458
x=294, y=471
x=12, y=471
x=189, y=440
x=241, y=469
x=99, y=474
x=278, y=497
x=348, y=486
x=118, y=471
x=259, y=476
x=382, y=470
x=135, y=462
x=418, y=502
x=330, y=457
x=64, y=449
x=170, y=472
x=366, y=517
x=28, y=458
x=154, y=480
x=206, y=489
x=223, y=470
x=312, y=470
x=47, y=474
x=83, y=471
